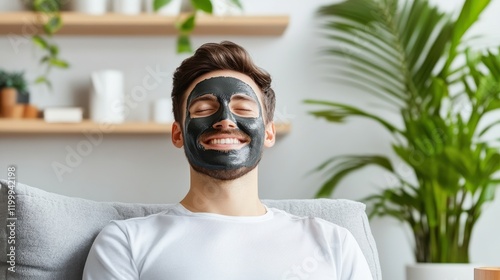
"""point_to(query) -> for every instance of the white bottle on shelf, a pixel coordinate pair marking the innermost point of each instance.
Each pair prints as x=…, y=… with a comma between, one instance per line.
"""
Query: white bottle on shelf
x=107, y=98
x=127, y=7
x=92, y=7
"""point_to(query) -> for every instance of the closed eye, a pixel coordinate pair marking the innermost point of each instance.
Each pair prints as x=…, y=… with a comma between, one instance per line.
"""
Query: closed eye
x=244, y=106
x=203, y=106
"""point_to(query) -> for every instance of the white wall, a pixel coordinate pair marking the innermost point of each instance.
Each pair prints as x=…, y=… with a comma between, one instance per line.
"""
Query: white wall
x=149, y=169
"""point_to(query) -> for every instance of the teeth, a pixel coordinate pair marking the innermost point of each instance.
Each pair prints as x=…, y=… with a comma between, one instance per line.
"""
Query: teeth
x=225, y=141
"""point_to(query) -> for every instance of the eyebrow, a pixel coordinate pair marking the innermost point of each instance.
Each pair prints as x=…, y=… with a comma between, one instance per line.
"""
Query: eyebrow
x=241, y=96
x=205, y=97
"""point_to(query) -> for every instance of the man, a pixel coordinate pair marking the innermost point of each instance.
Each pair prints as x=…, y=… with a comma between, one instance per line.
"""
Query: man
x=223, y=108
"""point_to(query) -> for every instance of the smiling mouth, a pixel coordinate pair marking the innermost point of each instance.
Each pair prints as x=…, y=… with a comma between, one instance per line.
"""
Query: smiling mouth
x=225, y=142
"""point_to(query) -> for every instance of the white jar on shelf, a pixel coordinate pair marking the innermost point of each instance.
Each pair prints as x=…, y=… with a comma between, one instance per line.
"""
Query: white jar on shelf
x=13, y=6
x=225, y=8
x=127, y=7
x=93, y=7
x=107, y=97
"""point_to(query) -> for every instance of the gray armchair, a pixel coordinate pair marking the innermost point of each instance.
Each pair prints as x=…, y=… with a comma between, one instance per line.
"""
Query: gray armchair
x=54, y=233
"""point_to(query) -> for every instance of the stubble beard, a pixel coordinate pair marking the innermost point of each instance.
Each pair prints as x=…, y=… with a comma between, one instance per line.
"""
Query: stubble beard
x=225, y=174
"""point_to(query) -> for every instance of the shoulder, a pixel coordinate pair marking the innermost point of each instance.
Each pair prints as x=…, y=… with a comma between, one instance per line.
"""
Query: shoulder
x=136, y=223
x=310, y=223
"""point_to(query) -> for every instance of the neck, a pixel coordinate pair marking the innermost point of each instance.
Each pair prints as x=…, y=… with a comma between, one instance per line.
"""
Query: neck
x=237, y=197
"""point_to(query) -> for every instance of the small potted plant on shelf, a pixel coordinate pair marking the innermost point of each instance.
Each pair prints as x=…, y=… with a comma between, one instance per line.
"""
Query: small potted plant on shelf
x=415, y=60
x=13, y=87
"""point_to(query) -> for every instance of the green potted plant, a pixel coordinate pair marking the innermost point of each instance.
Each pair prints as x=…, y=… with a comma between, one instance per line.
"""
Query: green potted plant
x=12, y=85
x=415, y=60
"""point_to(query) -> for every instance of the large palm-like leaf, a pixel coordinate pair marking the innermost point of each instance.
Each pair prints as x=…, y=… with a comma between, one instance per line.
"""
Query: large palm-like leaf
x=391, y=52
x=405, y=53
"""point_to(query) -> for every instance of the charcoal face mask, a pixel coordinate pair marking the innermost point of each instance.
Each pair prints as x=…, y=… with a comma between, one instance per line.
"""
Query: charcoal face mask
x=224, y=165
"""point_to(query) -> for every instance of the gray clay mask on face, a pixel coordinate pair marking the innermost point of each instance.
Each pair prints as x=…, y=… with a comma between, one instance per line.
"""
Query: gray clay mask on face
x=222, y=91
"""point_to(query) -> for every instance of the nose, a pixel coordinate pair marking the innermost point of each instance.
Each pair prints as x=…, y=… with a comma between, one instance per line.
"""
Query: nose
x=226, y=119
x=224, y=124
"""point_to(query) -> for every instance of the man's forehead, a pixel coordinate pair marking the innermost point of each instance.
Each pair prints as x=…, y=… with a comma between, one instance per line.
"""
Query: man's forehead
x=221, y=86
x=222, y=73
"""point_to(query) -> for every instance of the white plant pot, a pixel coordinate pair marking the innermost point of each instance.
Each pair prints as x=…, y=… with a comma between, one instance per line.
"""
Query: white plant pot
x=93, y=7
x=440, y=271
x=127, y=7
x=171, y=9
x=12, y=6
x=225, y=8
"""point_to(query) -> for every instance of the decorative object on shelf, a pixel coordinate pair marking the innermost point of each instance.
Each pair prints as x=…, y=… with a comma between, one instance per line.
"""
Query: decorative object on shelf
x=11, y=6
x=51, y=22
x=487, y=273
x=162, y=111
x=107, y=97
x=12, y=85
x=30, y=111
x=127, y=7
x=63, y=115
x=187, y=24
x=172, y=9
x=91, y=7
x=226, y=8
x=440, y=271
x=414, y=58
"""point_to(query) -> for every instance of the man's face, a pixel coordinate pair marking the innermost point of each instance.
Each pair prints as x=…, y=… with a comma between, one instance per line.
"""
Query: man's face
x=223, y=129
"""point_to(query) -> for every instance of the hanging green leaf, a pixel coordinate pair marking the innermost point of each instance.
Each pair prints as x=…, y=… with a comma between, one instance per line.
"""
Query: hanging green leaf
x=53, y=25
x=58, y=63
x=237, y=3
x=54, y=50
x=187, y=25
x=183, y=44
x=40, y=42
x=44, y=81
x=45, y=59
x=158, y=4
x=204, y=5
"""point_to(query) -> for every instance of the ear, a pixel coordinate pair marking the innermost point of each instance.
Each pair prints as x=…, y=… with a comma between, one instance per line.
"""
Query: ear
x=177, y=138
x=270, y=135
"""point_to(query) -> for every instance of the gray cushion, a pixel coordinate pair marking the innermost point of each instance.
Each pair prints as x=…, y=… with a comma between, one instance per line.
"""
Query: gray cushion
x=54, y=233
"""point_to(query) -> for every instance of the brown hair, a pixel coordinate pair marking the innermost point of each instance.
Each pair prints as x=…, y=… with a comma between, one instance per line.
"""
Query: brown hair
x=224, y=56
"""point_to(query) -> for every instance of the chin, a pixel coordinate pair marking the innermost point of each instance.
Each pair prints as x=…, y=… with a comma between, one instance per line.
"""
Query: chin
x=224, y=175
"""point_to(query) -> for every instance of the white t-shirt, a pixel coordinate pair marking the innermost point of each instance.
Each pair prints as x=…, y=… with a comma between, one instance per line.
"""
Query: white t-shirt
x=178, y=244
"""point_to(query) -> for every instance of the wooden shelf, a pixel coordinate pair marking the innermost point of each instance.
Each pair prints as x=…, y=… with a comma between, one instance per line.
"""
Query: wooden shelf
x=23, y=23
x=39, y=126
